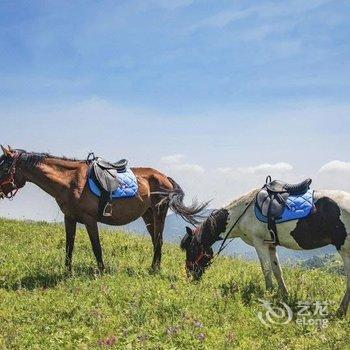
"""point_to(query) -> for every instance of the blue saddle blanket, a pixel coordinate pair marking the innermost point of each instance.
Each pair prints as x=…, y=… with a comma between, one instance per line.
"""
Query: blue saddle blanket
x=297, y=207
x=128, y=185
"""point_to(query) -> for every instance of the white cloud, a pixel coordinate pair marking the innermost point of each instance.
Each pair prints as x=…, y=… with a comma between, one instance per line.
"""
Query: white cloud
x=267, y=10
x=266, y=167
x=174, y=158
x=190, y=167
x=224, y=18
x=225, y=170
x=177, y=162
x=172, y=4
x=269, y=22
x=335, y=166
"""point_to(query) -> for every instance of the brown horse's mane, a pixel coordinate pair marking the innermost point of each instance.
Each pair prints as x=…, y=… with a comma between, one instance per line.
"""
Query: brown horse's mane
x=32, y=159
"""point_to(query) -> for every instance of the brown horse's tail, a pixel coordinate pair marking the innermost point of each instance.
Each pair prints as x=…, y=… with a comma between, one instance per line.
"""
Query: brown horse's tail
x=193, y=213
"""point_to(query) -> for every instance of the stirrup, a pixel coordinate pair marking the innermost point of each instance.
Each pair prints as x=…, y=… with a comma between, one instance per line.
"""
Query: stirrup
x=107, y=211
x=273, y=239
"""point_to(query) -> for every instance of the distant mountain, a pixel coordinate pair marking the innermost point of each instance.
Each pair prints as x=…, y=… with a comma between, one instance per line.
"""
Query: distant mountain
x=330, y=263
x=175, y=229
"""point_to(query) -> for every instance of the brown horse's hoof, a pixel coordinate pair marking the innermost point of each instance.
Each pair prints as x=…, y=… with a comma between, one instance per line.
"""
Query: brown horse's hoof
x=99, y=271
x=154, y=269
x=69, y=270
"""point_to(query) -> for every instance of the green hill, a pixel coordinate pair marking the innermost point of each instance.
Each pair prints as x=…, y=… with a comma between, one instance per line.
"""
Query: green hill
x=43, y=307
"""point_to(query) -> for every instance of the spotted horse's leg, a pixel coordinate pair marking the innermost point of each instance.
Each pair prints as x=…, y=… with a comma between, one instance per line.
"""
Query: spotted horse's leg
x=276, y=268
x=345, y=254
x=262, y=250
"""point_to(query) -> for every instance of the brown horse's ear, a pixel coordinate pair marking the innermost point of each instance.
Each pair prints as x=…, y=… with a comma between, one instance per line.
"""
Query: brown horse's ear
x=189, y=231
x=9, y=148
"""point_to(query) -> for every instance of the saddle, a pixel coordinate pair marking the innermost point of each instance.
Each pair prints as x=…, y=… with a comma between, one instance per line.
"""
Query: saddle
x=278, y=186
x=105, y=175
x=120, y=166
x=272, y=199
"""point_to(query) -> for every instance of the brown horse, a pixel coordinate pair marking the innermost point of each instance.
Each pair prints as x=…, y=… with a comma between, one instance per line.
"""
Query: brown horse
x=66, y=180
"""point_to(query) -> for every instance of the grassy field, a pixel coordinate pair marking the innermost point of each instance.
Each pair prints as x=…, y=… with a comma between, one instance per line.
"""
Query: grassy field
x=43, y=307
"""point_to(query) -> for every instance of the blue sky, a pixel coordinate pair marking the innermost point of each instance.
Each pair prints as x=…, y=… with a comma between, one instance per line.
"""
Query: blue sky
x=214, y=93
x=180, y=54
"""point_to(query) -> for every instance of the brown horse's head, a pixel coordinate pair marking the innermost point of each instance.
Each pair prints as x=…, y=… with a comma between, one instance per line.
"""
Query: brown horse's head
x=10, y=179
x=197, y=243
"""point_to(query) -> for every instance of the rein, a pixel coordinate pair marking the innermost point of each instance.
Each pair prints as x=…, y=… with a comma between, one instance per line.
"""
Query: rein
x=10, y=179
x=223, y=245
x=210, y=257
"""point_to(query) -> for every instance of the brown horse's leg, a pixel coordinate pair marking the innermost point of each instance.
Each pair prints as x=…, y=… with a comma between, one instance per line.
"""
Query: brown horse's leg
x=159, y=215
x=155, y=219
x=92, y=229
x=71, y=226
x=149, y=221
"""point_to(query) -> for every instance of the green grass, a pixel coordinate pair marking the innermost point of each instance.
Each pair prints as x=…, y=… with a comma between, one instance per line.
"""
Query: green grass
x=43, y=307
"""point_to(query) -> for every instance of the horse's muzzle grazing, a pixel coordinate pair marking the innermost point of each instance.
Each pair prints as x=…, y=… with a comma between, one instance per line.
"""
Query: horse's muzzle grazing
x=196, y=269
x=195, y=273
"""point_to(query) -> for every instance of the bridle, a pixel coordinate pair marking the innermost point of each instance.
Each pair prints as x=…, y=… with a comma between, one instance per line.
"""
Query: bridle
x=210, y=257
x=10, y=179
x=203, y=259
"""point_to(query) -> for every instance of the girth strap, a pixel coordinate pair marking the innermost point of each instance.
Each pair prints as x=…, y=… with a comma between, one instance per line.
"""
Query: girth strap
x=271, y=223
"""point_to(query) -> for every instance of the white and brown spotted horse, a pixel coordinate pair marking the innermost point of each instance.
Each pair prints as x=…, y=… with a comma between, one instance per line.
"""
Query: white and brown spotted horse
x=329, y=223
